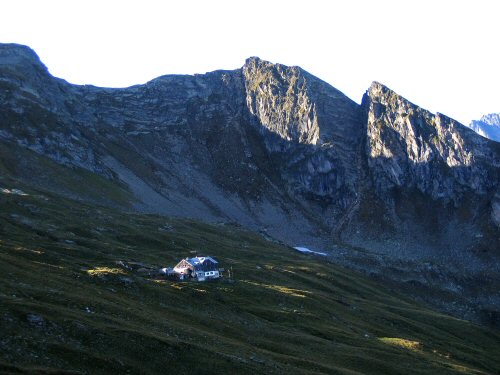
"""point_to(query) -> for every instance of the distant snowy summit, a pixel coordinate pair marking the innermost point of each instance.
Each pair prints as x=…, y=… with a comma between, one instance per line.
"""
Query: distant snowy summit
x=488, y=126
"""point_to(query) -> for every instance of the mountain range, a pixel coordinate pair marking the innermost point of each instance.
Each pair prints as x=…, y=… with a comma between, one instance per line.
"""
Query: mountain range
x=385, y=187
x=488, y=126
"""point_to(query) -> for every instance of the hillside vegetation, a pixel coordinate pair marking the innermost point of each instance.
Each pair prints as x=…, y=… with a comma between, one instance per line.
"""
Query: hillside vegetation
x=76, y=296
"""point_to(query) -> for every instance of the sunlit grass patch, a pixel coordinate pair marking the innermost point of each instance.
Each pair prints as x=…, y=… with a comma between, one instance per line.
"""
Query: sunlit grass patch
x=102, y=271
x=157, y=281
x=299, y=268
x=282, y=289
x=34, y=251
x=402, y=343
x=177, y=286
x=465, y=369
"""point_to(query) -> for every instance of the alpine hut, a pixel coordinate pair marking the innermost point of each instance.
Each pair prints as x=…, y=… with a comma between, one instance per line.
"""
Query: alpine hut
x=200, y=268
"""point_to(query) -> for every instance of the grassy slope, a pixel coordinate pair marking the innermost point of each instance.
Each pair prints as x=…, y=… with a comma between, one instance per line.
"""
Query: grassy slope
x=283, y=313
x=21, y=165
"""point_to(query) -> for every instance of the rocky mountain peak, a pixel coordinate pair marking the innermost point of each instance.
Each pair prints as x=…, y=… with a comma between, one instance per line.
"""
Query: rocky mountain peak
x=256, y=60
x=20, y=57
x=376, y=88
x=488, y=126
x=409, y=146
x=20, y=67
x=491, y=119
x=17, y=53
x=297, y=106
x=277, y=95
x=383, y=95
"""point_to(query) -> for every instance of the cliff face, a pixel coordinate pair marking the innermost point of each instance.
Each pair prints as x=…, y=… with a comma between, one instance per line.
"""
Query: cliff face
x=275, y=149
x=411, y=147
x=313, y=129
x=35, y=107
x=431, y=178
x=278, y=97
x=297, y=106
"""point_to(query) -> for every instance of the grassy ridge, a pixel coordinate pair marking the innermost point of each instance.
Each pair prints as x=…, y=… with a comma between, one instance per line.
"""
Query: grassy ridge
x=65, y=303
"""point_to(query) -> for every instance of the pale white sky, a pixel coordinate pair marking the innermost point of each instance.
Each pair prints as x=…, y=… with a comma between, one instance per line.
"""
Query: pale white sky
x=443, y=55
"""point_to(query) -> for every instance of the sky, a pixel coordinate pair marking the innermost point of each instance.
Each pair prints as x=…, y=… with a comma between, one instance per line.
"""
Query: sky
x=442, y=55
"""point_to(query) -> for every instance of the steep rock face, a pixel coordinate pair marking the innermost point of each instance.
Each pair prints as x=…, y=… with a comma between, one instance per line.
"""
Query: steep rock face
x=297, y=106
x=278, y=97
x=41, y=112
x=431, y=177
x=313, y=129
x=488, y=126
x=411, y=147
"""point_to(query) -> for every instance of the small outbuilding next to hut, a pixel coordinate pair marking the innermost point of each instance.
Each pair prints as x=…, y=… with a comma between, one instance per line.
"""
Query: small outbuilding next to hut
x=200, y=268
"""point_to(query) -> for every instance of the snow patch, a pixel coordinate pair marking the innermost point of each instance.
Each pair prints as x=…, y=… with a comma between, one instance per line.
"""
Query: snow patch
x=305, y=250
x=13, y=191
